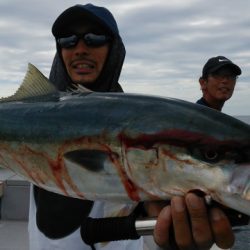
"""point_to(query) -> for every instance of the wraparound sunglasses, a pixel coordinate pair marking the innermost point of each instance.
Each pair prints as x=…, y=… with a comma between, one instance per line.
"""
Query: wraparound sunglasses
x=90, y=39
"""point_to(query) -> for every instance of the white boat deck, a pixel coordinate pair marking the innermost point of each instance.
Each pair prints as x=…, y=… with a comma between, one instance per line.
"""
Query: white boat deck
x=13, y=235
x=14, y=200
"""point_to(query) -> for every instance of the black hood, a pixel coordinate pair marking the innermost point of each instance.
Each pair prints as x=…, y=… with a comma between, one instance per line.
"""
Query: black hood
x=108, y=79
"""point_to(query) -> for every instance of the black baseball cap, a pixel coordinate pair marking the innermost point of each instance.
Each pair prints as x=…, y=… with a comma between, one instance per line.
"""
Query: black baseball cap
x=215, y=63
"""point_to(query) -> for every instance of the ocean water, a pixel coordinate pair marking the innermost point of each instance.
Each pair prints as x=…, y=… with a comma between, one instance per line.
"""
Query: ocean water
x=242, y=234
x=246, y=119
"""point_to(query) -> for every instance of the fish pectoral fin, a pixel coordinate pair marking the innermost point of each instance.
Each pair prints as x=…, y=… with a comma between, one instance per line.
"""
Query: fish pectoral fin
x=92, y=160
x=34, y=85
x=78, y=88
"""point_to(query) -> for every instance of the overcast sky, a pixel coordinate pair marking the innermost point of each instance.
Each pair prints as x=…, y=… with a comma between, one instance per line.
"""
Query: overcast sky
x=167, y=43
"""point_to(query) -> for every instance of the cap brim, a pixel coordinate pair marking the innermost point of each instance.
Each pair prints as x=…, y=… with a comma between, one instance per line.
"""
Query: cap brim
x=234, y=67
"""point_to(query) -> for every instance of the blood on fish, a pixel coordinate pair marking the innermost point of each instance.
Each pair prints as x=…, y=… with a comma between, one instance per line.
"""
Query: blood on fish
x=173, y=137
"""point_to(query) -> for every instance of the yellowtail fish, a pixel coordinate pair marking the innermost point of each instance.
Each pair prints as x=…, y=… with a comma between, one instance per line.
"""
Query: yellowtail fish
x=123, y=147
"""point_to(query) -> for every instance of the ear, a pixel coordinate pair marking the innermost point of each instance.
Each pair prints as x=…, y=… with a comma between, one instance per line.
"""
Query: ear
x=203, y=83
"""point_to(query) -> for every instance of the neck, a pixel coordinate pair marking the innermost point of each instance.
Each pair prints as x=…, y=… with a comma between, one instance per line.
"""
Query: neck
x=215, y=104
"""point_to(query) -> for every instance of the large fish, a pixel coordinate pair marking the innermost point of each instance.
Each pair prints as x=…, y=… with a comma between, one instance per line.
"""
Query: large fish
x=123, y=147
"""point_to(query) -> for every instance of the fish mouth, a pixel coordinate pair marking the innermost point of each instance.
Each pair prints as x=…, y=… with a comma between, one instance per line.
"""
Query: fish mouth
x=237, y=193
x=240, y=181
x=234, y=195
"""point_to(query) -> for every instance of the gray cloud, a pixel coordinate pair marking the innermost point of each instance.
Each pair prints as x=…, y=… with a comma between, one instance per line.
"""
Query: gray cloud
x=167, y=43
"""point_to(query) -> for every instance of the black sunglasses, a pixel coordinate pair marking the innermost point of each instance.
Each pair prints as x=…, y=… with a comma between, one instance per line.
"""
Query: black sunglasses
x=90, y=39
x=221, y=75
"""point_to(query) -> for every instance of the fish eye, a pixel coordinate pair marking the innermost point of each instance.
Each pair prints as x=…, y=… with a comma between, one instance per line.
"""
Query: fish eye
x=211, y=155
x=216, y=154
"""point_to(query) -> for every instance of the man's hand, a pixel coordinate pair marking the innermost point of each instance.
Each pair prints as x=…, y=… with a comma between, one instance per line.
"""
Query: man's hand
x=193, y=226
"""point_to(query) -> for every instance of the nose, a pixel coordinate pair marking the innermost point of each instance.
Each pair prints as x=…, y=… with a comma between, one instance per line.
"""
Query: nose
x=225, y=79
x=81, y=47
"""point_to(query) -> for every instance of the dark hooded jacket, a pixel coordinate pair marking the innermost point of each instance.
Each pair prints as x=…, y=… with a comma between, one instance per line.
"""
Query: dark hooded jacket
x=57, y=215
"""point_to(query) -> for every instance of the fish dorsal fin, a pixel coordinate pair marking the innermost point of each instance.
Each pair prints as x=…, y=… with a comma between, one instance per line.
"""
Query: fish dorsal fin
x=34, y=84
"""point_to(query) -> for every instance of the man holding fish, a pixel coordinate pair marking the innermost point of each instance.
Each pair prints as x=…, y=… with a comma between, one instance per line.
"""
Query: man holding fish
x=90, y=52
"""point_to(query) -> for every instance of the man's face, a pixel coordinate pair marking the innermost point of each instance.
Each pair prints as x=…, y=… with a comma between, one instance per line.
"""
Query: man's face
x=219, y=85
x=84, y=63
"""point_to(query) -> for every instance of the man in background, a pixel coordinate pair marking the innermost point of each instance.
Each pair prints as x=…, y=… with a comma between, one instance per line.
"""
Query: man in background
x=219, y=76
